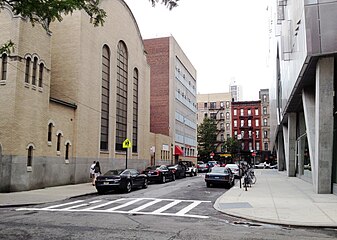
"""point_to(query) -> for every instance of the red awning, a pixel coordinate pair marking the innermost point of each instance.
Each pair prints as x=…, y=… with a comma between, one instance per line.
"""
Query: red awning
x=178, y=151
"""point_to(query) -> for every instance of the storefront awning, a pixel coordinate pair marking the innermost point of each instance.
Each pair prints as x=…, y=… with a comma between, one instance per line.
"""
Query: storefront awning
x=178, y=151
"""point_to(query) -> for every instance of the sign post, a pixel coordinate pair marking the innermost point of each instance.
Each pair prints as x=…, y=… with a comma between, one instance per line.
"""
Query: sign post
x=126, y=144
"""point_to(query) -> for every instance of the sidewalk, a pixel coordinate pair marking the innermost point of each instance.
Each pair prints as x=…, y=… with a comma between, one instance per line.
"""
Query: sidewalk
x=278, y=199
x=45, y=195
x=275, y=199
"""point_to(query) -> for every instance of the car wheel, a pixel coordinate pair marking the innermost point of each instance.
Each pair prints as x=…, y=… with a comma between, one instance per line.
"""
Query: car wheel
x=163, y=179
x=195, y=173
x=100, y=191
x=145, y=183
x=128, y=187
x=208, y=184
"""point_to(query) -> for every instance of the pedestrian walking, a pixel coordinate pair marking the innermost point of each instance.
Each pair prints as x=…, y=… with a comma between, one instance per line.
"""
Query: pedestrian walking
x=92, y=171
x=97, y=172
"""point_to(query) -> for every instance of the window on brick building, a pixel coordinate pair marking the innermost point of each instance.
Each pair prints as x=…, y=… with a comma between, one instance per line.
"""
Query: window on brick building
x=256, y=111
x=235, y=112
x=227, y=104
x=122, y=94
x=266, y=146
x=257, y=122
x=212, y=105
x=241, y=112
x=4, y=66
x=265, y=122
x=105, y=99
x=249, y=112
x=235, y=123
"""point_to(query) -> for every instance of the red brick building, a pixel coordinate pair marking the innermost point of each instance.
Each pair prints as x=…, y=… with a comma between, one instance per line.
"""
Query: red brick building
x=246, y=127
x=173, y=104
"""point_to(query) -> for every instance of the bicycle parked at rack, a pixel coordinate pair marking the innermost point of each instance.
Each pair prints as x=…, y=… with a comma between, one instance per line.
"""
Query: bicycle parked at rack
x=249, y=178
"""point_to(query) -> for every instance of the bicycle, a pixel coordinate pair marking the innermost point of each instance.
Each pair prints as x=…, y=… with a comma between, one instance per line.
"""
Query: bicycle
x=249, y=178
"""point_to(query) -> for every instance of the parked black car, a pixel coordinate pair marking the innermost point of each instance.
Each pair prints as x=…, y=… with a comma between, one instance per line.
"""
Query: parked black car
x=202, y=167
x=178, y=170
x=220, y=176
x=159, y=174
x=120, y=179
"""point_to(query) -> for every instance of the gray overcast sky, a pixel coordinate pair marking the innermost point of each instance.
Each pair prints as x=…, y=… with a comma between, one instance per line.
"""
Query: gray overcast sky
x=224, y=40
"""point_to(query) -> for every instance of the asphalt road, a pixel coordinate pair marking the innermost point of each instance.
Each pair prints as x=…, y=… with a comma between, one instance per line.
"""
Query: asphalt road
x=182, y=209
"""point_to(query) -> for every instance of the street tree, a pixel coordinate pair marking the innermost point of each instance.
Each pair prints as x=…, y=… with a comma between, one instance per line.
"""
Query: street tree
x=207, y=132
x=232, y=146
x=47, y=11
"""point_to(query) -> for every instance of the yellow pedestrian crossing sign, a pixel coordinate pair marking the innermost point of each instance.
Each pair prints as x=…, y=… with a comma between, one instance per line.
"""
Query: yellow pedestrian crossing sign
x=127, y=143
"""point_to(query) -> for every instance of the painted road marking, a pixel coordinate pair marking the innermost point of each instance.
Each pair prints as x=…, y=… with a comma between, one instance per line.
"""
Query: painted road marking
x=74, y=206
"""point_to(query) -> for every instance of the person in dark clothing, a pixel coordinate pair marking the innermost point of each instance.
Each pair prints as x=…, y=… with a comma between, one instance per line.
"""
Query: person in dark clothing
x=97, y=171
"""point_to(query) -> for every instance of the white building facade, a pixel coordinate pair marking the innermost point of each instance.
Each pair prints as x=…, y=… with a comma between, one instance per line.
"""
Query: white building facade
x=302, y=96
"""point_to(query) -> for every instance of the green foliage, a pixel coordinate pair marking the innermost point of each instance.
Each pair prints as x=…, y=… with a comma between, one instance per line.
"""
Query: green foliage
x=47, y=11
x=169, y=3
x=207, y=132
x=233, y=146
x=7, y=47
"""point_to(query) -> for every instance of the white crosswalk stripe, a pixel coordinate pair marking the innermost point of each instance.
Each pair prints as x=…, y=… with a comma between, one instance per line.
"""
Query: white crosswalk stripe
x=154, y=206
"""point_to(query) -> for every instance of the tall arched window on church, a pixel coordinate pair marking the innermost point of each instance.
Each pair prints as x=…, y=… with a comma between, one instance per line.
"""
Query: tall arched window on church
x=30, y=156
x=104, y=144
x=4, y=66
x=50, y=130
x=41, y=74
x=67, y=151
x=135, y=111
x=122, y=92
x=34, y=71
x=58, y=145
x=27, y=71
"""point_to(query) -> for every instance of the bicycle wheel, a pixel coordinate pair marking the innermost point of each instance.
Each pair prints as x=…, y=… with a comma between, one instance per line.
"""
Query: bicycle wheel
x=253, y=179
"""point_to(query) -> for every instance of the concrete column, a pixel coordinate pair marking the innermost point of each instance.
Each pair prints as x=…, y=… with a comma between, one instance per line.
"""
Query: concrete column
x=280, y=152
x=301, y=144
x=291, y=144
x=308, y=99
x=286, y=146
x=324, y=123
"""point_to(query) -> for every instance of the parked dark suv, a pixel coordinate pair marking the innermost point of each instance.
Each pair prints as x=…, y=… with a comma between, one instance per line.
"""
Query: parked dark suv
x=191, y=170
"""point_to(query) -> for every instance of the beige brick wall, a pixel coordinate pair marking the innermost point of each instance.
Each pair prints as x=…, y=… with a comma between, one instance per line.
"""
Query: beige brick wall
x=72, y=55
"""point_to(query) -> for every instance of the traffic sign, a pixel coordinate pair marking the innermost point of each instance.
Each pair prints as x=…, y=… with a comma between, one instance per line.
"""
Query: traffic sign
x=127, y=143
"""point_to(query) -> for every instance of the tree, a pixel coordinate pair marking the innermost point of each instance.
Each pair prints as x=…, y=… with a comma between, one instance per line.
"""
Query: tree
x=47, y=11
x=207, y=132
x=233, y=146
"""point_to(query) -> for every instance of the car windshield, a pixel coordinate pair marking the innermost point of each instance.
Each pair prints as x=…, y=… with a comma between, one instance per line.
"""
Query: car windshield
x=218, y=170
x=152, y=167
x=232, y=166
x=114, y=172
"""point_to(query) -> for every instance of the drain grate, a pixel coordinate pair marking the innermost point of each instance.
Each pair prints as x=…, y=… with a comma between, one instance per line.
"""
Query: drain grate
x=235, y=205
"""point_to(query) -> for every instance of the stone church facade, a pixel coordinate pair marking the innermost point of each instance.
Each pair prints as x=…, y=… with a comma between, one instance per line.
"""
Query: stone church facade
x=71, y=96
